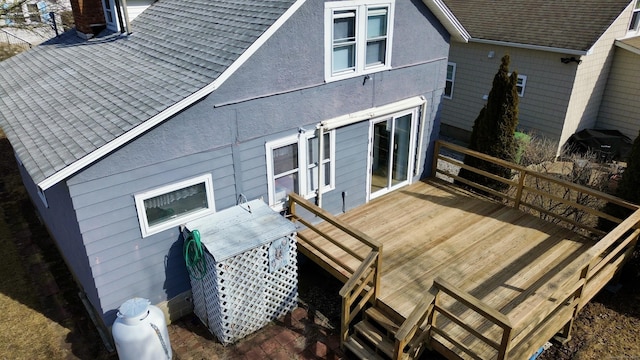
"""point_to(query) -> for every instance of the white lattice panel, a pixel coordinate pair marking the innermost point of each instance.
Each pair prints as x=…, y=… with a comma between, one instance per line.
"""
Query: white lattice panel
x=240, y=295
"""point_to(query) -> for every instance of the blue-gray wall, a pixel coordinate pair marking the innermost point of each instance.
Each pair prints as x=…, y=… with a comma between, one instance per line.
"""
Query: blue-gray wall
x=278, y=90
x=60, y=220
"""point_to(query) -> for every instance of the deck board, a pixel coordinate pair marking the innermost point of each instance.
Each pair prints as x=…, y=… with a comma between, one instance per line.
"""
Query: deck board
x=498, y=254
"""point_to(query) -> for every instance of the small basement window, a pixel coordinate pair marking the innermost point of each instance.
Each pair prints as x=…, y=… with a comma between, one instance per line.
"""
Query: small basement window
x=172, y=205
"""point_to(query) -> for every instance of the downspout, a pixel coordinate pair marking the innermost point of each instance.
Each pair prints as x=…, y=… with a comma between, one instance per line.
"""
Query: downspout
x=320, y=165
x=423, y=115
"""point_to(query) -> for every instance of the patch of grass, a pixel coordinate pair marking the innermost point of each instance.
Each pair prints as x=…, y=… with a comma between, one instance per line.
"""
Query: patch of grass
x=25, y=333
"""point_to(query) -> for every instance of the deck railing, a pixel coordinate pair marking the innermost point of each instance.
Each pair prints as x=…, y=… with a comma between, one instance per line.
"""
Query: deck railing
x=567, y=203
x=590, y=272
x=363, y=282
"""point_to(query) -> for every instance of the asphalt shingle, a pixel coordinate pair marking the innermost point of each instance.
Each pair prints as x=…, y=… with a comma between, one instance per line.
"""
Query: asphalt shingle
x=564, y=24
x=68, y=97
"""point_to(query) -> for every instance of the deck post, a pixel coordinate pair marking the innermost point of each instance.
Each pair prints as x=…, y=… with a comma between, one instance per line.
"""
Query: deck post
x=505, y=344
x=376, y=281
x=344, y=319
x=292, y=207
x=565, y=334
x=436, y=152
x=518, y=198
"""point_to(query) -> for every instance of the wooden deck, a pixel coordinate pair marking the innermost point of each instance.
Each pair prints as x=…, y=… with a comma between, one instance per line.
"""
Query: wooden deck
x=432, y=229
x=495, y=253
x=469, y=276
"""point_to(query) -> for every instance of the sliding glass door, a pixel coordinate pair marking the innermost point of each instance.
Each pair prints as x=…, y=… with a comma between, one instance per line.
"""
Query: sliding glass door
x=391, y=152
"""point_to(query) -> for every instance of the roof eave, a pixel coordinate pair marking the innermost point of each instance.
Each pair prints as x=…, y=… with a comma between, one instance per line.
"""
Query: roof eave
x=621, y=44
x=449, y=21
x=532, y=47
x=132, y=134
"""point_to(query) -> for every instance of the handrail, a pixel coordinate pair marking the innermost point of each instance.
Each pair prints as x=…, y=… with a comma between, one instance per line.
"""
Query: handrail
x=479, y=307
x=364, y=282
x=593, y=269
x=409, y=328
x=522, y=189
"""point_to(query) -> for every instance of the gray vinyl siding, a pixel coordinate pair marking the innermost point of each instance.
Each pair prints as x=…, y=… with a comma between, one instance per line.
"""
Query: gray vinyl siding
x=60, y=220
x=351, y=168
x=271, y=96
x=546, y=97
x=620, y=109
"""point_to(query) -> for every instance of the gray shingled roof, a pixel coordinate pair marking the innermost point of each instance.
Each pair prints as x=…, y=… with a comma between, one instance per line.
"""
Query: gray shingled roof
x=68, y=97
x=564, y=24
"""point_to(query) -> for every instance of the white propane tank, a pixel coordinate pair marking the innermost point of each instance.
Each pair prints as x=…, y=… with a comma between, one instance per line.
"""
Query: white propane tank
x=140, y=332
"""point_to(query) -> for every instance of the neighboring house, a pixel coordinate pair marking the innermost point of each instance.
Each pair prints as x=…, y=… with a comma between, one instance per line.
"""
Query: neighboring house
x=31, y=21
x=620, y=107
x=563, y=52
x=120, y=139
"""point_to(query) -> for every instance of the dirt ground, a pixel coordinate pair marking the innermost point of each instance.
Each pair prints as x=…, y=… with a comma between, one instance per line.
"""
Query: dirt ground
x=609, y=326
x=43, y=317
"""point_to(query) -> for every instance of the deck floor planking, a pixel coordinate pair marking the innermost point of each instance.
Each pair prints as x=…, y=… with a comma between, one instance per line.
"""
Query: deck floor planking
x=498, y=254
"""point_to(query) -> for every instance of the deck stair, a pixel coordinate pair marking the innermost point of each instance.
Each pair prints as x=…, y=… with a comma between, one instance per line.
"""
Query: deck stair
x=374, y=336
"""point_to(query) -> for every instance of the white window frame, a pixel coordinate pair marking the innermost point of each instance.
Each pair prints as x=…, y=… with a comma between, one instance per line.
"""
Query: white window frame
x=178, y=220
x=521, y=84
x=309, y=193
x=451, y=80
x=361, y=13
x=303, y=169
x=634, y=23
x=110, y=12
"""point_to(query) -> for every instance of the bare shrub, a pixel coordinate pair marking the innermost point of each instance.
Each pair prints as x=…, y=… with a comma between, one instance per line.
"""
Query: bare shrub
x=553, y=201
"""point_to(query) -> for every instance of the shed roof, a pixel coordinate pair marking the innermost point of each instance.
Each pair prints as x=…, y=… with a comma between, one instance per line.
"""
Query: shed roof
x=557, y=24
x=69, y=101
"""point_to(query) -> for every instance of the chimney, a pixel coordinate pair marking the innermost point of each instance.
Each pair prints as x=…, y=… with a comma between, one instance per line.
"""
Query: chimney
x=89, y=17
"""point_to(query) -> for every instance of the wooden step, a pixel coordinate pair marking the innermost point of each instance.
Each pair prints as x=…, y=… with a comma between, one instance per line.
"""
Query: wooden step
x=382, y=319
x=374, y=336
x=362, y=351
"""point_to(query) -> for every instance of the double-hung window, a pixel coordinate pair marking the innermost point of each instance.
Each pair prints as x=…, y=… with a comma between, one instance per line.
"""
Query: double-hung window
x=293, y=165
x=451, y=78
x=357, y=37
x=168, y=206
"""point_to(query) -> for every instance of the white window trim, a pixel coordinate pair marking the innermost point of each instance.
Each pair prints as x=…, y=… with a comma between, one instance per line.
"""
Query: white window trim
x=635, y=13
x=142, y=215
x=302, y=141
x=111, y=25
x=413, y=150
x=452, y=80
x=523, y=85
x=332, y=164
x=269, y=147
x=361, y=41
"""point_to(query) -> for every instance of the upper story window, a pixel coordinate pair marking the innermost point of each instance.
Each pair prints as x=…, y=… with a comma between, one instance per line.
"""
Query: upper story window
x=451, y=78
x=174, y=204
x=634, y=25
x=357, y=37
x=293, y=166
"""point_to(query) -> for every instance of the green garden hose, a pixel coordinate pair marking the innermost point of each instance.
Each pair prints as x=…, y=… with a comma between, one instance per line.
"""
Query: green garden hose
x=194, y=256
